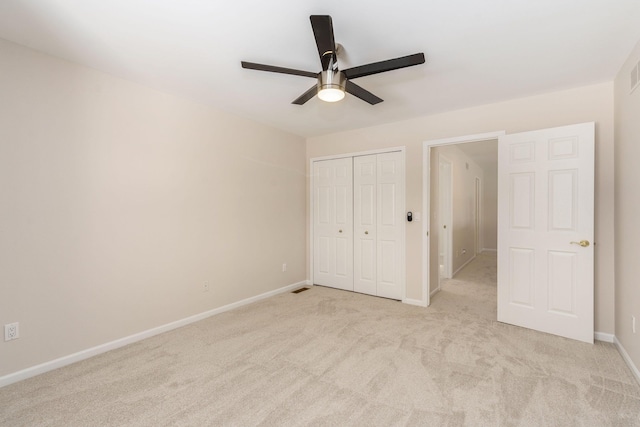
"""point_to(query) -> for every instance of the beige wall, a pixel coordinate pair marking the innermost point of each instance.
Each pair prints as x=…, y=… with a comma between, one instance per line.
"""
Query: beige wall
x=627, y=207
x=490, y=209
x=591, y=103
x=118, y=202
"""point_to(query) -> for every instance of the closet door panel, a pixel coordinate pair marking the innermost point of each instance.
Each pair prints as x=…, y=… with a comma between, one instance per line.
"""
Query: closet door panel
x=365, y=220
x=333, y=223
x=388, y=269
x=390, y=171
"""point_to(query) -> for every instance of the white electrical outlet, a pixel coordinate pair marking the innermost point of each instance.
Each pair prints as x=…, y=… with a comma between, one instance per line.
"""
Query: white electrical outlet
x=205, y=287
x=11, y=331
x=284, y=267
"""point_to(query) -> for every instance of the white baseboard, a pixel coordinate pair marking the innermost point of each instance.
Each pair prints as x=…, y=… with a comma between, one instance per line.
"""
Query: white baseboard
x=103, y=348
x=463, y=266
x=604, y=337
x=627, y=359
x=489, y=250
x=435, y=291
x=412, y=301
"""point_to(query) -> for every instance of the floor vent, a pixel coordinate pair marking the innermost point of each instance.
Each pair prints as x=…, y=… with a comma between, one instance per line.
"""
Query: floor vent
x=297, y=291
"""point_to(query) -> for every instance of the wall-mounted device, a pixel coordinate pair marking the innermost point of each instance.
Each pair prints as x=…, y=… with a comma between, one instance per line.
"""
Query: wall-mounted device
x=409, y=216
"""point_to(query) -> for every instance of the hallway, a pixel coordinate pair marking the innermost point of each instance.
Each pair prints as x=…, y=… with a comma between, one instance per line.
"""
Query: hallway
x=473, y=290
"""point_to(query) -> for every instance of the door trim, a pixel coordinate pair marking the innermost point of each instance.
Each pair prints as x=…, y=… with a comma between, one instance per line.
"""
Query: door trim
x=403, y=264
x=426, y=182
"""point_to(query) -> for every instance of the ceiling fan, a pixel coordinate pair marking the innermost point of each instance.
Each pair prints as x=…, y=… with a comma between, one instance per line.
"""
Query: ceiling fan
x=332, y=82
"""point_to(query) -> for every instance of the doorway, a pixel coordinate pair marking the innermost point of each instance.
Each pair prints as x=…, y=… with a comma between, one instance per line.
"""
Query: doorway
x=456, y=197
x=432, y=225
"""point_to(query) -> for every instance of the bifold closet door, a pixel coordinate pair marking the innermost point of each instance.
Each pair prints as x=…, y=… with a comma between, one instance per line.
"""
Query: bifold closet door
x=389, y=222
x=365, y=170
x=333, y=223
x=378, y=224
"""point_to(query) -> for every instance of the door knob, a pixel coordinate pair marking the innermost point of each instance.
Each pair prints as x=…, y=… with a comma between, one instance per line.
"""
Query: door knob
x=366, y=232
x=339, y=231
x=583, y=243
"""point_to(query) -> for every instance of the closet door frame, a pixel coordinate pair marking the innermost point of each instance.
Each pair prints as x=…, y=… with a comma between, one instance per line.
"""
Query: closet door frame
x=402, y=150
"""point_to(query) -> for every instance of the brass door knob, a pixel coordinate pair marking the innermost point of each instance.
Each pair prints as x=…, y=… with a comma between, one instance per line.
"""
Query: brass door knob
x=583, y=243
x=366, y=232
x=339, y=231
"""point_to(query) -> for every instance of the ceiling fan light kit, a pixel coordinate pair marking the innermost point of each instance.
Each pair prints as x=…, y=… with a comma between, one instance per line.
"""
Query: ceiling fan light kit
x=331, y=86
x=331, y=82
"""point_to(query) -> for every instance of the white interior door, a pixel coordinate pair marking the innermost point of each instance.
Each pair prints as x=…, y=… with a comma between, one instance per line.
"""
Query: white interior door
x=365, y=171
x=333, y=223
x=445, y=206
x=545, y=212
x=390, y=173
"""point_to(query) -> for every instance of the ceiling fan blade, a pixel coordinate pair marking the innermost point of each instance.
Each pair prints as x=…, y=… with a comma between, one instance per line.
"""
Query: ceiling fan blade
x=274, y=69
x=382, y=66
x=306, y=96
x=361, y=93
x=323, y=32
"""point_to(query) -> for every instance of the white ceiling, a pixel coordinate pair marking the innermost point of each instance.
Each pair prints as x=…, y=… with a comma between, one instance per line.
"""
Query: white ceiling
x=477, y=51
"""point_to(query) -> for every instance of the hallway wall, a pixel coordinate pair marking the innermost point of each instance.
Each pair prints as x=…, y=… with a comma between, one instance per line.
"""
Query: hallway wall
x=490, y=209
x=627, y=209
x=464, y=172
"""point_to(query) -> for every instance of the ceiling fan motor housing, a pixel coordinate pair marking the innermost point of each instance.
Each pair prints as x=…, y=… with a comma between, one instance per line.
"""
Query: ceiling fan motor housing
x=331, y=80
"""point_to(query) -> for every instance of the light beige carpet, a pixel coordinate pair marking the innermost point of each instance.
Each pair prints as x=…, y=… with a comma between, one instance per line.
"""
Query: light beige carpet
x=327, y=357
